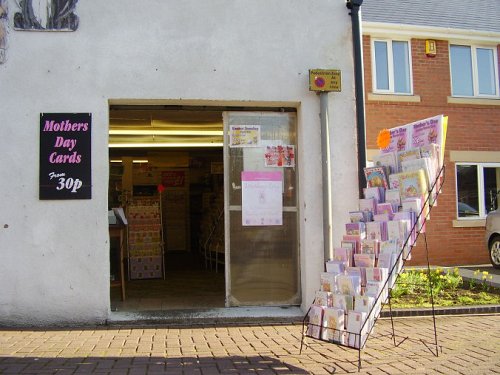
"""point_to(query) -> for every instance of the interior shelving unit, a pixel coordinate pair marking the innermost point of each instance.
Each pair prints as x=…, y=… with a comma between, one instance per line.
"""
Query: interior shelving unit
x=384, y=297
x=145, y=238
x=212, y=236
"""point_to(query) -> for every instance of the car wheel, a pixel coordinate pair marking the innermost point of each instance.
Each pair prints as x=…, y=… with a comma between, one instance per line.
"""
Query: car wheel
x=495, y=251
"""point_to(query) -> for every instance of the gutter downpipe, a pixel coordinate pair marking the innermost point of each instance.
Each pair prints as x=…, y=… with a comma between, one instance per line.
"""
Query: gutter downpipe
x=326, y=180
x=353, y=6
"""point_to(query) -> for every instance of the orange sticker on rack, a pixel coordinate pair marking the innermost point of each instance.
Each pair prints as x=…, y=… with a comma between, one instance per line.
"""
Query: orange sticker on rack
x=384, y=138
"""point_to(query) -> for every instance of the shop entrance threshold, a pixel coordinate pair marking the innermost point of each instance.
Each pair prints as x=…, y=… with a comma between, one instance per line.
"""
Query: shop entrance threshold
x=217, y=316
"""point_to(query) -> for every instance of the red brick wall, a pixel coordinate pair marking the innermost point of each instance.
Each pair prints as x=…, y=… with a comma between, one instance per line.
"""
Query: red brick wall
x=470, y=127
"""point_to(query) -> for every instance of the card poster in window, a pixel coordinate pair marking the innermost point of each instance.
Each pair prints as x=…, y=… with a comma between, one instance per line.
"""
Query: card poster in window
x=262, y=198
x=244, y=136
x=279, y=156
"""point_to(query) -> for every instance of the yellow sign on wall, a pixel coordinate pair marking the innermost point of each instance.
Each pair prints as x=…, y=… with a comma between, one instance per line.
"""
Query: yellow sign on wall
x=324, y=80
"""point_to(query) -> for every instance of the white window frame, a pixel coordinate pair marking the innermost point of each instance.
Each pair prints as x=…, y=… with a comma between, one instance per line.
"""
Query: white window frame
x=480, y=187
x=475, y=77
x=390, y=66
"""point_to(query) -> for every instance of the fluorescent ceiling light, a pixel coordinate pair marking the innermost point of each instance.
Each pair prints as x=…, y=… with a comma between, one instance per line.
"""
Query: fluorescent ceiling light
x=166, y=144
x=185, y=122
x=140, y=161
x=163, y=132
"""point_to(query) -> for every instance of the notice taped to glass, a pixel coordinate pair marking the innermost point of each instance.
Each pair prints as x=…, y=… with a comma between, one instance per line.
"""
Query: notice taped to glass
x=65, y=163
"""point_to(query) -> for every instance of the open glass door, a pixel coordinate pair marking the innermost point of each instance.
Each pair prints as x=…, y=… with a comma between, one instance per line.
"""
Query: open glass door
x=262, y=254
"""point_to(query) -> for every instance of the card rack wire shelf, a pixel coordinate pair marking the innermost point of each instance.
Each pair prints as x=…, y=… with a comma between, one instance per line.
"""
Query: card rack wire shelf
x=212, y=237
x=145, y=238
x=356, y=340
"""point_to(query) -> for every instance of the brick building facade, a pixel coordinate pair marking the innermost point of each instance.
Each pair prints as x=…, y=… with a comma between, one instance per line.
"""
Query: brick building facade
x=454, y=237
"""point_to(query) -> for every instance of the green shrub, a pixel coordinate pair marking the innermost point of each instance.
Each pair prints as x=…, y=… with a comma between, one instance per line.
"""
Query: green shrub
x=465, y=300
x=420, y=281
x=413, y=288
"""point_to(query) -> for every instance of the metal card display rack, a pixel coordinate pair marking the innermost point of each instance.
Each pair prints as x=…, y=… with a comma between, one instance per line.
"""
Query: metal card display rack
x=361, y=338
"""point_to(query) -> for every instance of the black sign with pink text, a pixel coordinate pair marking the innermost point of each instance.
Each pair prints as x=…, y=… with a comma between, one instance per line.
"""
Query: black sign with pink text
x=65, y=165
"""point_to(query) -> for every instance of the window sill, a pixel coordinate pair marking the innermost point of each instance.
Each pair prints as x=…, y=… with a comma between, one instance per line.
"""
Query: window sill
x=394, y=98
x=476, y=101
x=474, y=156
x=474, y=223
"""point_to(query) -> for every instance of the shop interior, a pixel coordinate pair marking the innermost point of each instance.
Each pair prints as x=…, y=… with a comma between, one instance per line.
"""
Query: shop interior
x=166, y=172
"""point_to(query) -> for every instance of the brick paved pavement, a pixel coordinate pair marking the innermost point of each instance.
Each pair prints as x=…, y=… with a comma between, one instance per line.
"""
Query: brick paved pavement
x=470, y=345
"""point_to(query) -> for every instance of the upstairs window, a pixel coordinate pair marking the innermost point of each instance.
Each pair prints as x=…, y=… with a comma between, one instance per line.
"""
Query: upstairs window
x=391, y=67
x=474, y=71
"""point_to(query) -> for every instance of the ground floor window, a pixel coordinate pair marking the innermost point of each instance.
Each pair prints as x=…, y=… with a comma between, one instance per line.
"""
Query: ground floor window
x=478, y=185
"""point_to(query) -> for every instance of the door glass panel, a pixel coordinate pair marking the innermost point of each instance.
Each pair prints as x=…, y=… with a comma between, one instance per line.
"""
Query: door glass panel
x=263, y=260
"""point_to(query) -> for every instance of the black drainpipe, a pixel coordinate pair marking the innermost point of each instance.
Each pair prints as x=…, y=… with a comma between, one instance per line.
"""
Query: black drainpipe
x=353, y=6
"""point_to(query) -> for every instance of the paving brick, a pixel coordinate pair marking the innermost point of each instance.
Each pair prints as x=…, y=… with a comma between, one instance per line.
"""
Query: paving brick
x=469, y=345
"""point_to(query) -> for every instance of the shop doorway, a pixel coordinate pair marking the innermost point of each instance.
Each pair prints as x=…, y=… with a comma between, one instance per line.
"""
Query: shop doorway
x=166, y=172
x=190, y=242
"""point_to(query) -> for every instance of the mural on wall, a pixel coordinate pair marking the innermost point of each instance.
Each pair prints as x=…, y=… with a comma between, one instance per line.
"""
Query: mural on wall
x=3, y=30
x=46, y=15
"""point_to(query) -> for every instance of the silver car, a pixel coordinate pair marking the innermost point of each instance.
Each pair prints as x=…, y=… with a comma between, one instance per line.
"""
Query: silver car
x=493, y=236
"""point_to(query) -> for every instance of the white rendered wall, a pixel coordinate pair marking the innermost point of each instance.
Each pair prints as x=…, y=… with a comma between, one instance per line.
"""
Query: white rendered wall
x=55, y=254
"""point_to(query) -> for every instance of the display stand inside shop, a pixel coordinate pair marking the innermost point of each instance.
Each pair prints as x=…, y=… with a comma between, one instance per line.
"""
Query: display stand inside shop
x=145, y=238
x=402, y=187
x=356, y=339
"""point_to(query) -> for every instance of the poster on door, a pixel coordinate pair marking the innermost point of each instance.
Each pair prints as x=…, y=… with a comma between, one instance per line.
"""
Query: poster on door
x=65, y=164
x=279, y=156
x=262, y=201
x=244, y=136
